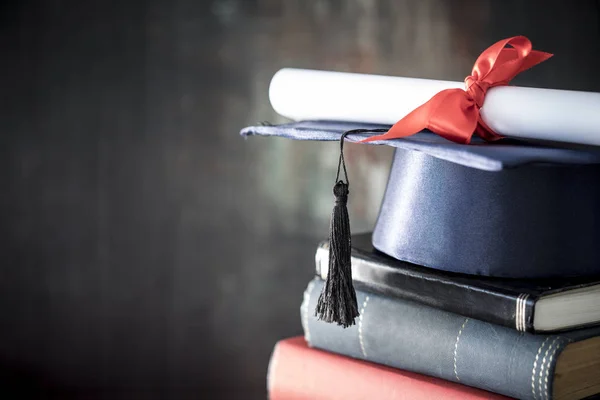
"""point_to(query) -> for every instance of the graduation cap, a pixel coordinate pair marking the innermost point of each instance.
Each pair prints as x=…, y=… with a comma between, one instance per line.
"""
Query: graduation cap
x=506, y=208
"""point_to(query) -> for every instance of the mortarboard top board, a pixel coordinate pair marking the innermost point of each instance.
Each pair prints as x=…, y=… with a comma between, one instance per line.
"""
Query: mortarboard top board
x=479, y=154
x=503, y=209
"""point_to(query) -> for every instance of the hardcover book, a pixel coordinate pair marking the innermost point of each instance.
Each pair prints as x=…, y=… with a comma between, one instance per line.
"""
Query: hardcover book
x=414, y=337
x=298, y=372
x=532, y=305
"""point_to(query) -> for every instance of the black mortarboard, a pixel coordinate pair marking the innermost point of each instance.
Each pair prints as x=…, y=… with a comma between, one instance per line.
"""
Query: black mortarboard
x=503, y=209
x=508, y=209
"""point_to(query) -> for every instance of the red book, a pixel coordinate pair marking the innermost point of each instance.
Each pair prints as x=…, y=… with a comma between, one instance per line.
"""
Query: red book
x=297, y=372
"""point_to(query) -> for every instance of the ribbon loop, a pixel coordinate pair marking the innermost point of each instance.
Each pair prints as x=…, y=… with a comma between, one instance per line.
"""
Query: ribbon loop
x=454, y=113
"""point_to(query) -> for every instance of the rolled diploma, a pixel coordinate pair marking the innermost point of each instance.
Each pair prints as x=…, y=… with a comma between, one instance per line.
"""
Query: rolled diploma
x=528, y=113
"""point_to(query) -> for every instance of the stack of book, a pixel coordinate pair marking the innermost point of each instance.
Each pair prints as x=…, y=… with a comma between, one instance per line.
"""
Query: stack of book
x=424, y=333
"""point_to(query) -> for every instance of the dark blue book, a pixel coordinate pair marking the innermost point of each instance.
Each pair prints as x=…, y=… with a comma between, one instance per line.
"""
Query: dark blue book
x=411, y=336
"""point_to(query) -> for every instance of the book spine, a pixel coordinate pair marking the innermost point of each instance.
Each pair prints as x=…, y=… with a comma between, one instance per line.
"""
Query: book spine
x=299, y=372
x=413, y=337
x=494, y=306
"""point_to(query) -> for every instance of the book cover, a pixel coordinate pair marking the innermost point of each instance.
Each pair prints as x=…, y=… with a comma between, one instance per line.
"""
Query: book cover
x=508, y=302
x=297, y=372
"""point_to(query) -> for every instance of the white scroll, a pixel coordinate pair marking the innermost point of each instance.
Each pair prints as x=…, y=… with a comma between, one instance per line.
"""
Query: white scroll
x=528, y=113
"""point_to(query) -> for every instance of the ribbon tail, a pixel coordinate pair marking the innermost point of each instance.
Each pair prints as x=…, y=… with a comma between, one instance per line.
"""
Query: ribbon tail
x=414, y=122
x=450, y=114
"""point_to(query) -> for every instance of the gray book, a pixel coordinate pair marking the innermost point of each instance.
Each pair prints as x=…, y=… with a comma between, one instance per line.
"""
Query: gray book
x=414, y=337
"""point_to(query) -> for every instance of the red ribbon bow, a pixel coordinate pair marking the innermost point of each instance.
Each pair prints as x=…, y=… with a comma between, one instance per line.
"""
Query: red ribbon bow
x=454, y=113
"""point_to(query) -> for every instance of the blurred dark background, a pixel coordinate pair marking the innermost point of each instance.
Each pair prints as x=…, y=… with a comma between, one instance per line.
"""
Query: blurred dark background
x=147, y=250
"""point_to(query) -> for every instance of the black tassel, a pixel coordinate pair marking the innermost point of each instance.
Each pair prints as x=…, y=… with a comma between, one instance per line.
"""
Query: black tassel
x=337, y=302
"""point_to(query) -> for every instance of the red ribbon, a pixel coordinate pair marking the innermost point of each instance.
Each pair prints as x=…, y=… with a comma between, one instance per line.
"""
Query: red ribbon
x=454, y=113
